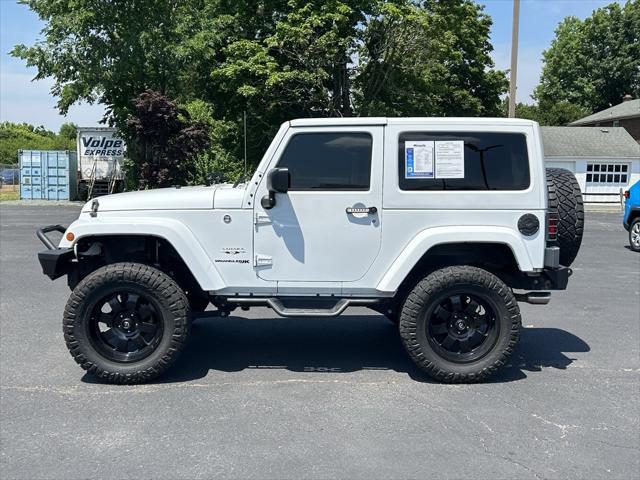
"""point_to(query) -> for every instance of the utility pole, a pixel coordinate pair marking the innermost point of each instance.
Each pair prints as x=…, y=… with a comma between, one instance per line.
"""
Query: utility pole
x=244, y=126
x=514, y=59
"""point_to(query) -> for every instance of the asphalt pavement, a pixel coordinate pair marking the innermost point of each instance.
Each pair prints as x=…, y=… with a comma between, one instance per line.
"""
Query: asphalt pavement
x=257, y=396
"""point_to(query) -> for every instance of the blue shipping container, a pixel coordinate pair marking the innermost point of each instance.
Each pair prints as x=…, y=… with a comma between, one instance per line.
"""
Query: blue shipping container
x=48, y=175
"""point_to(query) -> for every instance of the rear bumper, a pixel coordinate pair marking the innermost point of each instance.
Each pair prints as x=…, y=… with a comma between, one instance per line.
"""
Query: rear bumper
x=547, y=279
x=56, y=263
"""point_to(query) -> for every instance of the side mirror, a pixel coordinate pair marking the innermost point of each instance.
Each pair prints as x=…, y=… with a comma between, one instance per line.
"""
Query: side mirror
x=278, y=181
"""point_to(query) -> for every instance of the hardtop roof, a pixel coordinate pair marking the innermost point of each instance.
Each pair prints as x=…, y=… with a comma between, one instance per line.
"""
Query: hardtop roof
x=364, y=121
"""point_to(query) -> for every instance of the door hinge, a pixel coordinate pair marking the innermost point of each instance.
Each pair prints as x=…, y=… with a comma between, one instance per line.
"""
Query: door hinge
x=262, y=218
x=263, y=260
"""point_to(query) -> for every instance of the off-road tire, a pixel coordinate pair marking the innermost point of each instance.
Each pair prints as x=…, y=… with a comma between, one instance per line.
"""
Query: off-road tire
x=175, y=318
x=635, y=224
x=413, y=323
x=565, y=198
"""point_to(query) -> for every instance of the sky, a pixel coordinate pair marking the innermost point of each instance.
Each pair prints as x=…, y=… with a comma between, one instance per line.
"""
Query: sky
x=22, y=100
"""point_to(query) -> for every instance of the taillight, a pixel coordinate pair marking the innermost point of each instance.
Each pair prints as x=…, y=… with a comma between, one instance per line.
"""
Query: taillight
x=627, y=194
x=552, y=226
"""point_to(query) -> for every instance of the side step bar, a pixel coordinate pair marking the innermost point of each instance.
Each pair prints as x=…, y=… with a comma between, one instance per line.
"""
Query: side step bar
x=534, y=298
x=278, y=307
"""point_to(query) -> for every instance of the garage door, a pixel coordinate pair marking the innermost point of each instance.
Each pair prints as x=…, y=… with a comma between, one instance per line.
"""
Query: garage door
x=571, y=166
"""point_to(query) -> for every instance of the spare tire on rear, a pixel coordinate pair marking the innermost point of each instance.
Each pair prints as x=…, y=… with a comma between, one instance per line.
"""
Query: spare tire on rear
x=565, y=199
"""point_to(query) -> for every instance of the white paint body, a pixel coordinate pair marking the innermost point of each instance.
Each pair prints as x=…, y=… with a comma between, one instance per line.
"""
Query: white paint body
x=307, y=244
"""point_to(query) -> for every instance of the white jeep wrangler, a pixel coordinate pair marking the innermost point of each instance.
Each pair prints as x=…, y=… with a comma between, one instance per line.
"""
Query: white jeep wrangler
x=441, y=224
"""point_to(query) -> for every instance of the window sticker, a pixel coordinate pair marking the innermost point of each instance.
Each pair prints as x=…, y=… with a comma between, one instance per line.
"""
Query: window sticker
x=418, y=159
x=449, y=159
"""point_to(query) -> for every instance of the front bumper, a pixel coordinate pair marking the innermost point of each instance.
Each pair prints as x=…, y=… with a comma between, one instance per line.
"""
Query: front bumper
x=55, y=262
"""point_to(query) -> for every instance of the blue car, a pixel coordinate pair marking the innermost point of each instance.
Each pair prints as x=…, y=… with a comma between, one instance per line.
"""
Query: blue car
x=631, y=219
x=10, y=176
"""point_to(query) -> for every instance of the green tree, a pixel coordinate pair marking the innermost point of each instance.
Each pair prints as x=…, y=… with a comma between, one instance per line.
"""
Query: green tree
x=68, y=130
x=217, y=163
x=428, y=58
x=595, y=62
x=165, y=140
x=273, y=59
x=106, y=52
x=298, y=66
x=558, y=114
x=22, y=136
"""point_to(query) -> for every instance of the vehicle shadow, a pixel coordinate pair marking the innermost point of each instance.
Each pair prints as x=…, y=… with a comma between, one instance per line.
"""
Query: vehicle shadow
x=541, y=348
x=342, y=344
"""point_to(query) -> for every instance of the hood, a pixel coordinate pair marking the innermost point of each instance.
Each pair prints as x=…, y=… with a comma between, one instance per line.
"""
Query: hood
x=184, y=198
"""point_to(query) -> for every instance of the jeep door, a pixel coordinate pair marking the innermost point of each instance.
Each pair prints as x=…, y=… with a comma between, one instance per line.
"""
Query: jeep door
x=327, y=226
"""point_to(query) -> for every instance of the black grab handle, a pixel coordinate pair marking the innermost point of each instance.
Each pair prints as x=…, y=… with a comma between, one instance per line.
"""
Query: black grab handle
x=369, y=210
x=41, y=233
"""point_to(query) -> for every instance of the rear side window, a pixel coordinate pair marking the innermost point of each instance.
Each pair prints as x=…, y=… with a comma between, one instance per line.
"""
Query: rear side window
x=468, y=161
x=328, y=161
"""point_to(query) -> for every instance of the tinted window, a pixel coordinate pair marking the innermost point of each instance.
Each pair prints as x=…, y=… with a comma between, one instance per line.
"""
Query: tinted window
x=328, y=161
x=492, y=161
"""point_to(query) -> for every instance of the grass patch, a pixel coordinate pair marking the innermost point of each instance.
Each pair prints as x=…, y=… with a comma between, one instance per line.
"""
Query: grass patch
x=6, y=195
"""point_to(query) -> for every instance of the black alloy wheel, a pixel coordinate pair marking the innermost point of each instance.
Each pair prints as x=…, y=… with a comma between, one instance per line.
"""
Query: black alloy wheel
x=462, y=327
x=460, y=324
x=126, y=322
x=125, y=326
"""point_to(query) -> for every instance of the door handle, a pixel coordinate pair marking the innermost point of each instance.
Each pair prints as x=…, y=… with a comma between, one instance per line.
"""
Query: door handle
x=369, y=210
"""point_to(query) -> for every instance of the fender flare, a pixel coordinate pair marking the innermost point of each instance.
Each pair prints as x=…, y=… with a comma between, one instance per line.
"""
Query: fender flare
x=634, y=212
x=173, y=231
x=430, y=237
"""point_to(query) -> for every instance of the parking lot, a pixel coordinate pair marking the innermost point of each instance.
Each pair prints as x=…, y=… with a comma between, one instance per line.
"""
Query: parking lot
x=257, y=396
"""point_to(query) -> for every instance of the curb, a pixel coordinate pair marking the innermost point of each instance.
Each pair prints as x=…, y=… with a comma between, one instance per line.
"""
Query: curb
x=43, y=203
x=603, y=208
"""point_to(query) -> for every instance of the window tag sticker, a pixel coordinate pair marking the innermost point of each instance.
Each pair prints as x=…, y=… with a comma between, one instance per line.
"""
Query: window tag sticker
x=418, y=159
x=449, y=159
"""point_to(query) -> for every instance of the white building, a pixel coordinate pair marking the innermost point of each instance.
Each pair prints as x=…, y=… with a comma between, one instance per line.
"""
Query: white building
x=603, y=159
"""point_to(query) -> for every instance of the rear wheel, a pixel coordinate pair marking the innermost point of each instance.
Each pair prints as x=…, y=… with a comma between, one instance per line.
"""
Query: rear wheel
x=126, y=322
x=634, y=235
x=460, y=324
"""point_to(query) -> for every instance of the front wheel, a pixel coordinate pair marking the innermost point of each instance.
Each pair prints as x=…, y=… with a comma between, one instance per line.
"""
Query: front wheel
x=460, y=324
x=634, y=235
x=126, y=322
